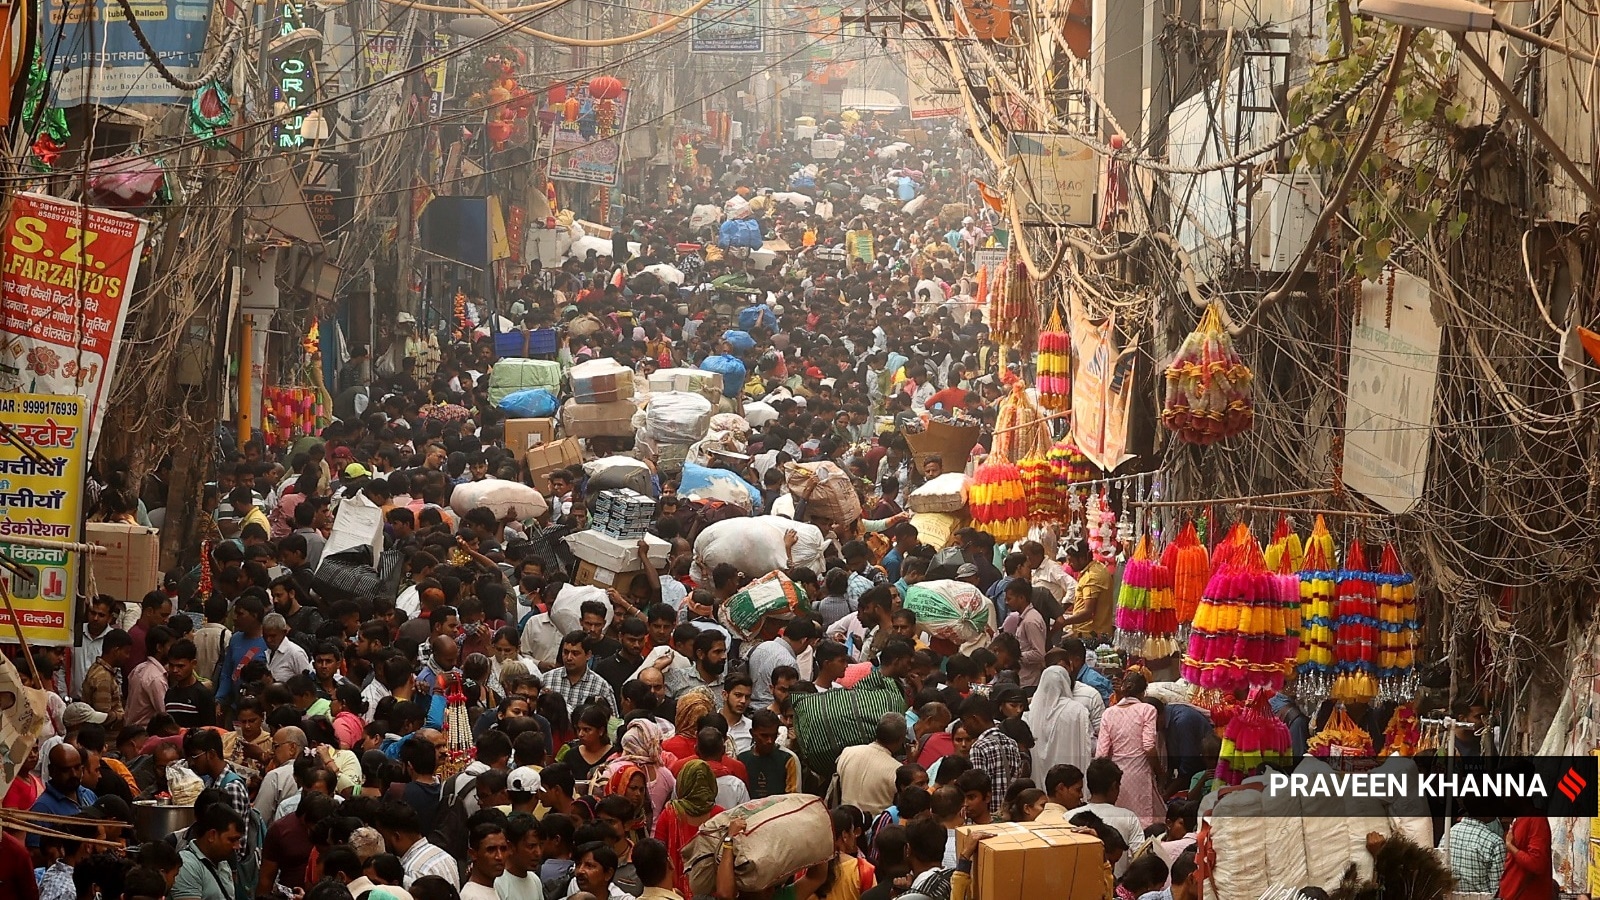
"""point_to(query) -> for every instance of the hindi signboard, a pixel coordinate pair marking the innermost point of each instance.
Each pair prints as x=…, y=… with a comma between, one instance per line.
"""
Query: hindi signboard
x=1058, y=178
x=67, y=273
x=98, y=60
x=729, y=26
x=588, y=149
x=42, y=500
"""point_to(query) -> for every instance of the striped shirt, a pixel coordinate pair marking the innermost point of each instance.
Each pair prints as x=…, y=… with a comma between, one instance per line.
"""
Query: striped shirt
x=424, y=859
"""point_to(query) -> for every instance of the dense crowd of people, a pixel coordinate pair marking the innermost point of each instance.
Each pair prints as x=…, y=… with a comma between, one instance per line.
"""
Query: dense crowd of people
x=319, y=731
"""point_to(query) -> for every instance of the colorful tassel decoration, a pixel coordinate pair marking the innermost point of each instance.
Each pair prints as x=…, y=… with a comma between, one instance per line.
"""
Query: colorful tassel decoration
x=1355, y=630
x=1245, y=629
x=1146, y=619
x=997, y=504
x=1252, y=737
x=1190, y=565
x=1314, y=669
x=1397, y=629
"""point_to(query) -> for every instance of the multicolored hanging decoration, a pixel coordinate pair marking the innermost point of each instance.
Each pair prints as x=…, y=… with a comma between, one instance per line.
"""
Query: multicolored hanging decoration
x=1055, y=363
x=291, y=413
x=1020, y=428
x=1403, y=736
x=1397, y=629
x=1355, y=630
x=1039, y=487
x=1314, y=664
x=1285, y=554
x=1252, y=736
x=460, y=748
x=1102, y=521
x=1321, y=538
x=1244, y=631
x=48, y=122
x=1146, y=619
x=996, y=502
x=1340, y=736
x=1190, y=565
x=1013, y=314
x=1208, y=386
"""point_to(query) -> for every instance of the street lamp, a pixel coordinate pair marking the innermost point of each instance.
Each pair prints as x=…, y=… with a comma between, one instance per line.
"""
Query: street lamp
x=1460, y=16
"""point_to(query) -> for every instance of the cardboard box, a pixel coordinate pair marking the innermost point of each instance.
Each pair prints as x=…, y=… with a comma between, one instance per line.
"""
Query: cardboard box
x=1024, y=861
x=607, y=552
x=598, y=419
x=132, y=566
x=953, y=444
x=546, y=458
x=590, y=574
x=601, y=381
x=523, y=435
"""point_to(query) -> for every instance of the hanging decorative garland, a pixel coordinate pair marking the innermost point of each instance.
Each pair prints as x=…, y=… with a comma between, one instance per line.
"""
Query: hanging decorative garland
x=996, y=501
x=1190, y=565
x=1208, y=386
x=1039, y=487
x=1355, y=630
x=1146, y=619
x=1244, y=631
x=1020, y=429
x=1397, y=629
x=1340, y=736
x=1285, y=554
x=1314, y=670
x=1055, y=363
x=1013, y=315
x=1251, y=737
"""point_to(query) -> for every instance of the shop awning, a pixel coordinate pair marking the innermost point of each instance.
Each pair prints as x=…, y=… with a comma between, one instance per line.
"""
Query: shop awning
x=870, y=100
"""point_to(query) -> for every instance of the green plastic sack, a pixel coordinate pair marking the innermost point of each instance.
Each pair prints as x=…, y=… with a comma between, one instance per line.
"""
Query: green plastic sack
x=770, y=594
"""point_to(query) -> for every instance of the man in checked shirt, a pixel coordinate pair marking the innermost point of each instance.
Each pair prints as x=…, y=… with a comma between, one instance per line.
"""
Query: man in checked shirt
x=993, y=752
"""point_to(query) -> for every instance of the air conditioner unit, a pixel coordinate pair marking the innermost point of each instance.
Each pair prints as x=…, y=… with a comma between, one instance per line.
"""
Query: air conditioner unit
x=1282, y=214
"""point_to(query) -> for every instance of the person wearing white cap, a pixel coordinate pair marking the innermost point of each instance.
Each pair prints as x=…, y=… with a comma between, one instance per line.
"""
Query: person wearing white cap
x=523, y=786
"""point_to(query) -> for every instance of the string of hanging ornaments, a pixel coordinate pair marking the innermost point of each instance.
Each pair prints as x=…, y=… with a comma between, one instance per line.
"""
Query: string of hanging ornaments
x=1146, y=616
x=1054, y=363
x=1013, y=313
x=1208, y=386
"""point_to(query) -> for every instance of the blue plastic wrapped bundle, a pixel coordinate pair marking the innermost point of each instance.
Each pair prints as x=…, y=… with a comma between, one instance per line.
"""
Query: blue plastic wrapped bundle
x=740, y=341
x=740, y=233
x=717, y=484
x=732, y=370
x=534, y=403
x=757, y=314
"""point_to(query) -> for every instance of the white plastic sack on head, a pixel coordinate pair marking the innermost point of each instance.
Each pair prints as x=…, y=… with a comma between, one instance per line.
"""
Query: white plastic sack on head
x=792, y=198
x=566, y=612
x=736, y=207
x=944, y=494
x=506, y=499
x=605, y=464
x=734, y=423
x=755, y=545
x=759, y=414
x=677, y=417
x=704, y=215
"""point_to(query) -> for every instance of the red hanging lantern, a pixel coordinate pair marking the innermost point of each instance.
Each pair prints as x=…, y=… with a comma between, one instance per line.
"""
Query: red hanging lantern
x=605, y=87
x=557, y=94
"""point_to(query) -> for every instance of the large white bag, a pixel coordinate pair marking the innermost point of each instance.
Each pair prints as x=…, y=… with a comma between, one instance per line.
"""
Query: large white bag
x=944, y=494
x=784, y=834
x=506, y=499
x=566, y=611
x=754, y=546
x=677, y=417
x=759, y=414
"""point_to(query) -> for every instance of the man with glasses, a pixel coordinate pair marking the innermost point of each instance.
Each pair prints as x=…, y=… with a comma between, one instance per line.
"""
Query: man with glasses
x=278, y=784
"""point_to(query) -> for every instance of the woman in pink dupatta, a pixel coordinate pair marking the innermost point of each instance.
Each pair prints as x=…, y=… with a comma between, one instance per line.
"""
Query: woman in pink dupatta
x=1128, y=737
x=641, y=747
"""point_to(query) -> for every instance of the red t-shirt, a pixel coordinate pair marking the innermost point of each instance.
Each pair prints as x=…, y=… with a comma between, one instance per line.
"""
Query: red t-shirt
x=939, y=745
x=16, y=869
x=719, y=767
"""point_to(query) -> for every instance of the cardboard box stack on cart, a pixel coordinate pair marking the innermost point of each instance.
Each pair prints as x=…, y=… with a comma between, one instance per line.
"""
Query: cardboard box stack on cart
x=602, y=400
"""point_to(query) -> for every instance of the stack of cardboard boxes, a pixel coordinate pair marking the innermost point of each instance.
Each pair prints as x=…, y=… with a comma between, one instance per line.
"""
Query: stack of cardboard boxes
x=602, y=400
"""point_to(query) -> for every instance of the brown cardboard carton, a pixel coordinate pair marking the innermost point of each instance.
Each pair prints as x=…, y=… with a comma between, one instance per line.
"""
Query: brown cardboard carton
x=523, y=435
x=613, y=419
x=546, y=458
x=1024, y=861
x=953, y=444
x=131, y=566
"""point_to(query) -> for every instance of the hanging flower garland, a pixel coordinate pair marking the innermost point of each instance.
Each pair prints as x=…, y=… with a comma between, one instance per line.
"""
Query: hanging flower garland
x=1208, y=386
x=1146, y=618
x=1355, y=630
x=996, y=501
x=1039, y=487
x=1397, y=629
x=1190, y=565
x=1245, y=630
x=1285, y=554
x=1055, y=363
x=1314, y=665
x=1013, y=314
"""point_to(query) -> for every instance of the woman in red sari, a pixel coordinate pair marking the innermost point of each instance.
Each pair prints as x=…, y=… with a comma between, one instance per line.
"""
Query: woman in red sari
x=681, y=820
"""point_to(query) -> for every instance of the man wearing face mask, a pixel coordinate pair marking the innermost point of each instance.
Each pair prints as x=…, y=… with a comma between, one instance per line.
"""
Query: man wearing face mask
x=530, y=590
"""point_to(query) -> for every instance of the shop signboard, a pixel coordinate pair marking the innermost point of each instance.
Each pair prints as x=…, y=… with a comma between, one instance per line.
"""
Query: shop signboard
x=42, y=498
x=97, y=59
x=729, y=26
x=1057, y=178
x=67, y=273
x=588, y=149
x=1394, y=368
x=934, y=94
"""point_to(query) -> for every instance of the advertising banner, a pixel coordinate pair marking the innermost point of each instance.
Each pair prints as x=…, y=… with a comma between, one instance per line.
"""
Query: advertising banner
x=729, y=26
x=67, y=272
x=1102, y=391
x=382, y=56
x=42, y=500
x=1058, y=177
x=99, y=59
x=1394, y=370
x=588, y=148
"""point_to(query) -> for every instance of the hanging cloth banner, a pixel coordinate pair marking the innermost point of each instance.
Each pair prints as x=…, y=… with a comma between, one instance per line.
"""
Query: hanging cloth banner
x=1102, y=389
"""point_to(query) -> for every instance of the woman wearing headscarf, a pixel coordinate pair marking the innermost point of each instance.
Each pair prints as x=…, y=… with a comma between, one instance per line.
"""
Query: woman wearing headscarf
x=1060, y=724
x=681, y=820
x=691, y=707
x=641, y=748
x=626, y=780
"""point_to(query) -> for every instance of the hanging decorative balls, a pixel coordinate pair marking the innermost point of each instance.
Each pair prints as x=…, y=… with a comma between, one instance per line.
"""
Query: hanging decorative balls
x=605, y=87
